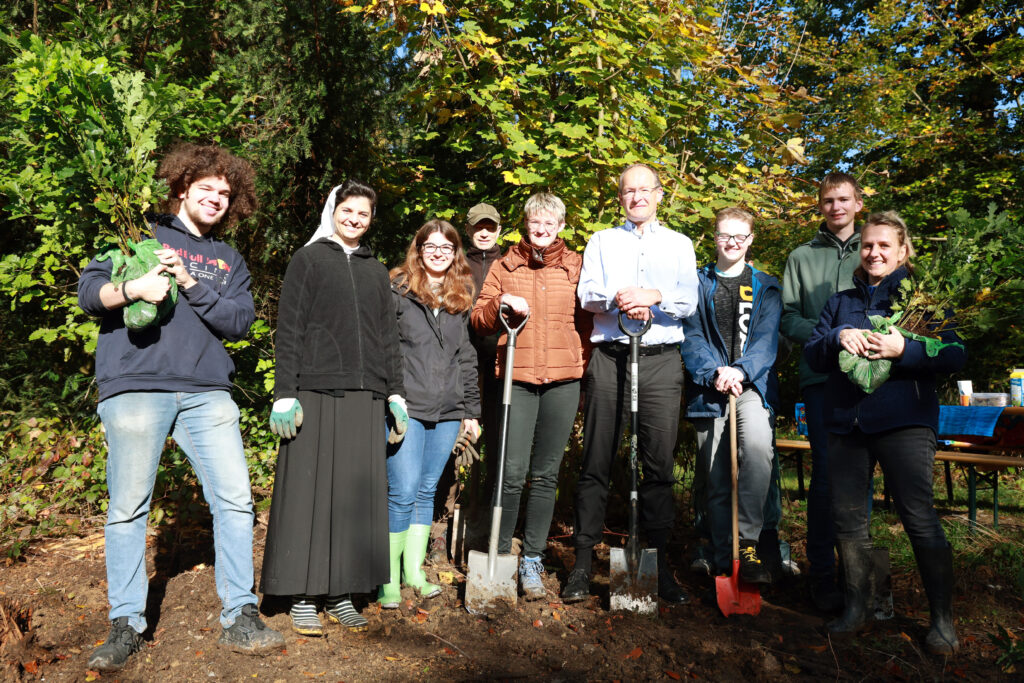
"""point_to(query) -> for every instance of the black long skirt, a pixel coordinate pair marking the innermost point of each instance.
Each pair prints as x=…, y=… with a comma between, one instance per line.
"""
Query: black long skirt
x=328, y=530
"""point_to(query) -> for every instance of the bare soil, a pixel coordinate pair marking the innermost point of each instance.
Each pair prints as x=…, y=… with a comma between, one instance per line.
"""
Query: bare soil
x=53, y=612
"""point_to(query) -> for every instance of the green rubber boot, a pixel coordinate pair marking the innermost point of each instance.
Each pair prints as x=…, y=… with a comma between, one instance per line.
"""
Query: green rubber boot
x=390, y=594
x=412, y=560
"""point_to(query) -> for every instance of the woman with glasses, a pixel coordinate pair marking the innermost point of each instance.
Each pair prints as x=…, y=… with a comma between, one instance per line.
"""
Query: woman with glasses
x=433, y=293
x=729, y=349
x=538, y=276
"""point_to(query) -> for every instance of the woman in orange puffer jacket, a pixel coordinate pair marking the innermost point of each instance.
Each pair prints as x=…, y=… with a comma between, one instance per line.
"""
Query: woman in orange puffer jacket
x=537, y=276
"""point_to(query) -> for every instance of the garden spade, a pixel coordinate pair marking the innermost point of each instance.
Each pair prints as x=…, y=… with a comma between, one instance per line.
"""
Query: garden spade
x=633, y=572
x=491, y=579
x=735, y=596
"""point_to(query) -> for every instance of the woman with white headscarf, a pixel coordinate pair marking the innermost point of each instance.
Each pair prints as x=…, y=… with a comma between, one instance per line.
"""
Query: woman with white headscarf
x=339, y=369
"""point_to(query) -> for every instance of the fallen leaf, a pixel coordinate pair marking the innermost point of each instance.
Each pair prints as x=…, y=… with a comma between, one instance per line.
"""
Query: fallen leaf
x=792, y=668
x=634, y=653
x=538, y=623
x=556, y=616
x=31, y=667
x=673, y=675
x=905, y=637
x=391, y=659
x=199, y=653
x=449, y=651
x=91, y=675
x=817, y=648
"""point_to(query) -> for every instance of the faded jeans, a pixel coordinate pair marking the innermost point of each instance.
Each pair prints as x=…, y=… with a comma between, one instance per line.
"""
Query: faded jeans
x=205, y=426
x=414, y=469
x=754, y=455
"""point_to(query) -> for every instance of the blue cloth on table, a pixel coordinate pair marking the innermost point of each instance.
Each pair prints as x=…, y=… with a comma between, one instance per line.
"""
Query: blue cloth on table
x=972, y=420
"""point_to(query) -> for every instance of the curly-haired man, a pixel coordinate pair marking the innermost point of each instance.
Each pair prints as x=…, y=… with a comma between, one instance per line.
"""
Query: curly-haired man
x=174, y=377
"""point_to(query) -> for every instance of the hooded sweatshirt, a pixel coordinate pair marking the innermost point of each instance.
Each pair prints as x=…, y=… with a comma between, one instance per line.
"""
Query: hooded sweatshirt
x=185, y=350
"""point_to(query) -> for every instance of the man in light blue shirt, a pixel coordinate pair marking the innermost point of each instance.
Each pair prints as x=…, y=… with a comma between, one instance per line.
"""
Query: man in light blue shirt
x=645, y=270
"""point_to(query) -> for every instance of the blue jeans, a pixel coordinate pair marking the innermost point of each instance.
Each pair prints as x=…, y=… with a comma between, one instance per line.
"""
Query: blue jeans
x=821, y=533
x=205, y=426
x=414, y=470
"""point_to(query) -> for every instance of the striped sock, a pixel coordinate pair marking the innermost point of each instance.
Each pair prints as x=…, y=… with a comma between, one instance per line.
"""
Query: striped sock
x=304, y=617
x=340, y=610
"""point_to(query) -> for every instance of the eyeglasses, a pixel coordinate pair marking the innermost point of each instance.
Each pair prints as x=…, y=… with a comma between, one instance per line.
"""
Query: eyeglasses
x=639, y=191
x=537, y=224
x=446, y=249
x=740, y=240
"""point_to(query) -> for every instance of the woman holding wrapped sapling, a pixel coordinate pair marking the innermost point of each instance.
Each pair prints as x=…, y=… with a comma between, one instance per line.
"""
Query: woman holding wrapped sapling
x=538, y=276
x=432, y=292
x=338, y=366
x=895, y=425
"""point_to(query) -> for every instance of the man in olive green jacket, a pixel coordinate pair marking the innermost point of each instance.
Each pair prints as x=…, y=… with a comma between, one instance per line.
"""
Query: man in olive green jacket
x=814, y=272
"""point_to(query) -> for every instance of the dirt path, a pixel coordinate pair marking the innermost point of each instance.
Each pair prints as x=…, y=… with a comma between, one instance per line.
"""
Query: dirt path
x=57, y=598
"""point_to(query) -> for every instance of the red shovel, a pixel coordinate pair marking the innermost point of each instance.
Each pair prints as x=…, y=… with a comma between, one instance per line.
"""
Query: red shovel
x=734, y=596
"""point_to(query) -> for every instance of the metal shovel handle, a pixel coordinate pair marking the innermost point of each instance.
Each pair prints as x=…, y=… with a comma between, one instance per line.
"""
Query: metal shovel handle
x=506, y=400
x=632, y=545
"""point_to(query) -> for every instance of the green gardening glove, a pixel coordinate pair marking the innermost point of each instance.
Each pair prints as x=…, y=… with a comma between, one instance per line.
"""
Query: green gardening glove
x=399, y=421
x=286, y=417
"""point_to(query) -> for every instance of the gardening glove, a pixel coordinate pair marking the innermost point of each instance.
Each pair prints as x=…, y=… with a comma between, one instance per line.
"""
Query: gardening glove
x=286, y=417
x=399, y=421
x=464, y=452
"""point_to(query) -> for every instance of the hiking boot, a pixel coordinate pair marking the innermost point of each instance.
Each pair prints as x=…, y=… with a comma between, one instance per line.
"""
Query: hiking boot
x=752, y=570
x=122, y=643
x=577, y=586
x=770, y=553
x=340, y=610
x=249, y=635
x=305, y=620
x=668, y=590
x=530, y=569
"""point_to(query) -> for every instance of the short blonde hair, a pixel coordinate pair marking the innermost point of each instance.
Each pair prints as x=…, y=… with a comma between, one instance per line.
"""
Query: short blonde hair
x=544, y=202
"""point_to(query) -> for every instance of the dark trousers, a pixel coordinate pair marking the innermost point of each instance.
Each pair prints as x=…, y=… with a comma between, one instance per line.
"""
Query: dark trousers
x=907, y=458
x=605, y=414
x=540, y=421
x=821, y=533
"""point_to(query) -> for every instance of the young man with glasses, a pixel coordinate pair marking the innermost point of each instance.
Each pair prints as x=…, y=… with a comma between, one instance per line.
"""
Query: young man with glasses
x=814, y=272
x=729, y=349
x=646, y=271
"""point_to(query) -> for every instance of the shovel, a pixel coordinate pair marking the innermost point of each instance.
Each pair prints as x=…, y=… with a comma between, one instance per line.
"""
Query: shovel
x=734, y=596
x=491, y=580
x=633, y=573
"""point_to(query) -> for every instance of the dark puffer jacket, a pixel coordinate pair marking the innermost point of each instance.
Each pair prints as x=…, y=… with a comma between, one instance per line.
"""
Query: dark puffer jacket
x=439, y=360
x=908, y=398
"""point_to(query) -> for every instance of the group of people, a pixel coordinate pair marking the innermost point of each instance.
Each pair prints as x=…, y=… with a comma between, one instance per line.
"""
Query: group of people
x=380, y=375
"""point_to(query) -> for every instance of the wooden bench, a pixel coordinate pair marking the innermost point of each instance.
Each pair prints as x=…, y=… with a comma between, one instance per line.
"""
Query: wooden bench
x=984, y=467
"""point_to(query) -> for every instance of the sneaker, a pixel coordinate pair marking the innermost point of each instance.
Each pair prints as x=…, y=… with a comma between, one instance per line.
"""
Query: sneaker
x=305, y=620
x=122, y=643
x=577, y=586
x=340, y=610
x=752, y=570
x=249, y=635
x=530, y=569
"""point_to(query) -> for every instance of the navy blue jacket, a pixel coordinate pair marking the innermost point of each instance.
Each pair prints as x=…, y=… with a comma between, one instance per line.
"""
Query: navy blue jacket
x=704, y=349
x=908, y=398
x=185, y=350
